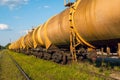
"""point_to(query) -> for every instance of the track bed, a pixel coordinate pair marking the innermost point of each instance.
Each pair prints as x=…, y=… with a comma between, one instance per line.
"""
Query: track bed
x=8, y=68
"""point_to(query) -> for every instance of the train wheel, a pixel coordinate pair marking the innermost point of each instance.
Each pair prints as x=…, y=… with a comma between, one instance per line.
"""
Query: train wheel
x=35, y=54
x=57, y=57
x=40, y=55
x=92, y=55
x=81, y=54
x=64, y=61
x=80, y=58
x=47, y=56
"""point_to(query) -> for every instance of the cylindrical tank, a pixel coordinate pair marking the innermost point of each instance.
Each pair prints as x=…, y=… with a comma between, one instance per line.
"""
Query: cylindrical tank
x=37, y=41
x=16, y=45
x=11, y=46
x=28, y=41
x=94, y=20
x=22, y=44
x=98, y=19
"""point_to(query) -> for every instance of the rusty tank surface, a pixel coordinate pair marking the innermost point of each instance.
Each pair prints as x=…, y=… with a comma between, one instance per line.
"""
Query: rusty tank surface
x=95, y=22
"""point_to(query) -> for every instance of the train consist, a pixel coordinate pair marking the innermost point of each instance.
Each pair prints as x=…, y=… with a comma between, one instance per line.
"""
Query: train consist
x=75, y=33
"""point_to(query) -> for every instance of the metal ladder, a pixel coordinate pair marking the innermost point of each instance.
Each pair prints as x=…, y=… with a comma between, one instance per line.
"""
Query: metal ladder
x=75, y=38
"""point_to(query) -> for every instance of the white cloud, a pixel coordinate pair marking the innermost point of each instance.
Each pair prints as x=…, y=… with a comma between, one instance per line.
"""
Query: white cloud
x=13, y=3
x=43, y=7
x=3, y=27
x=46, y=6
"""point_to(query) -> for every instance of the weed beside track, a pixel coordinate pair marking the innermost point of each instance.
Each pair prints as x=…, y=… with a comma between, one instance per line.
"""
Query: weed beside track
x=38, y=69
x=8, y=70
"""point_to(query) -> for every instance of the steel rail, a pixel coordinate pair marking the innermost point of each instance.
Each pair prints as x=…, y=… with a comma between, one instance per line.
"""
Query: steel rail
x=99, y=75
x=20, y=68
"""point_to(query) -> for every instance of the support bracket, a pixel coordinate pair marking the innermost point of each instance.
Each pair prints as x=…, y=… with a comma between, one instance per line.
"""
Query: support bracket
x=75, y=38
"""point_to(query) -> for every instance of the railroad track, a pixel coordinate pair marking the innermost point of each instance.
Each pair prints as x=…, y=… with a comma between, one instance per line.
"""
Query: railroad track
x=89, y=72
x=115, y=73
x=99, y=75
x=103, y=76
x=19, y=68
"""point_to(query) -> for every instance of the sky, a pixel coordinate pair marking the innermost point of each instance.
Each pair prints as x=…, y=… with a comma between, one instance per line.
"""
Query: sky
x=19, y=16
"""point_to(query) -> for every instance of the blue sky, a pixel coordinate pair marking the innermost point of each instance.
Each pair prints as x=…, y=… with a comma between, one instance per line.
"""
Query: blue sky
x=18, y=16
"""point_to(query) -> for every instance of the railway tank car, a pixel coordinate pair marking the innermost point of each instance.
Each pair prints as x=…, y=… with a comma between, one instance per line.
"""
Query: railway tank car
x=85, y=24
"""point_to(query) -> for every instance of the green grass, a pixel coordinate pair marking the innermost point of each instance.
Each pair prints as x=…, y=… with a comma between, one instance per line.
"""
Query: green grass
x=39, y=69
x=117, y=68
x=8, y=70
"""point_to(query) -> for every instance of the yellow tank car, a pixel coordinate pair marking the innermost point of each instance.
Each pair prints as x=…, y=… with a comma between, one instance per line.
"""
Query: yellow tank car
x=37, y=41
x=28, y=41
x=86, y=23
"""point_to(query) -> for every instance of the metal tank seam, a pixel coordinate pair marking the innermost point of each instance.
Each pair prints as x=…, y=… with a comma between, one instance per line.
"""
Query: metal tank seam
x=33, y=37
x=75, y=30
x=47, y=40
